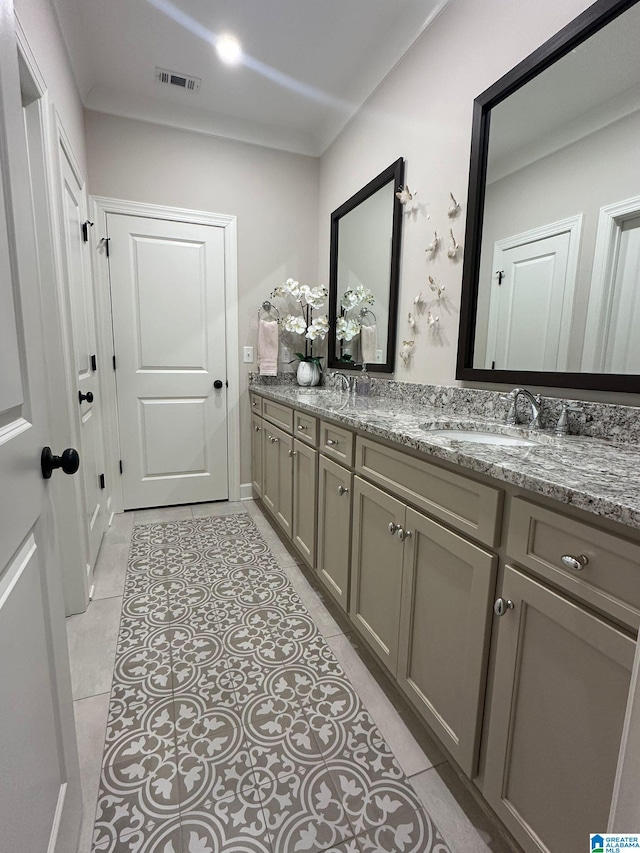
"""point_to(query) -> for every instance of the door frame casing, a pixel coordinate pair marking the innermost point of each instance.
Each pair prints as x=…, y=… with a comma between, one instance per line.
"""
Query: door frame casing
x=101, y=207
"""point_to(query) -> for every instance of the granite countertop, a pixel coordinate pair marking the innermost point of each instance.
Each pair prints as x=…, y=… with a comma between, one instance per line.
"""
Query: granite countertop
x=589, y=473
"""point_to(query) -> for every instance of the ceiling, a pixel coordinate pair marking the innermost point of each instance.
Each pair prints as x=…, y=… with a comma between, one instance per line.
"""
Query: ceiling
x=309, y=64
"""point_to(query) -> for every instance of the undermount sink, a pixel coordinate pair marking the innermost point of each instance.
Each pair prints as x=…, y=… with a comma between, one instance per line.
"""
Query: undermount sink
x=477, y=437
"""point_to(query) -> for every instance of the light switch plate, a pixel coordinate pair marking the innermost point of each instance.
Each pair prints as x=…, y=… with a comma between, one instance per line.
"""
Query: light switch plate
x=248, y=355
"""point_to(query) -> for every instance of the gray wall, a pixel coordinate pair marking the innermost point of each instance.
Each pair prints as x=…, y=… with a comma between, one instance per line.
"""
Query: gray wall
x=273, y=194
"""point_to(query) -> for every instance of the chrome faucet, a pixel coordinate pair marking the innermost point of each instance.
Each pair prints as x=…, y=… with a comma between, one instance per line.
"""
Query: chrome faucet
x=347, y=383
x=535, y=402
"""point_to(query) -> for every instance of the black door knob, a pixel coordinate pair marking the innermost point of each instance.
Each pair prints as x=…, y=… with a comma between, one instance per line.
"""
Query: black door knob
x=217, y=384
x=88, y=396
x=69, y=461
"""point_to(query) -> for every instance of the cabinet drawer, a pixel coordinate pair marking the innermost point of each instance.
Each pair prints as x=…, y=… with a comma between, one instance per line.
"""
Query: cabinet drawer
x=336, y=442
x=610, y=580
x=464, y=504
x=305, y=427
x=256, y=404
x=278, y=414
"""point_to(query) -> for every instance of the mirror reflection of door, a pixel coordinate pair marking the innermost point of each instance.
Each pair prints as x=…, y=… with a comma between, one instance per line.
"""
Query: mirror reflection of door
x=622, y=353
x=531, y=300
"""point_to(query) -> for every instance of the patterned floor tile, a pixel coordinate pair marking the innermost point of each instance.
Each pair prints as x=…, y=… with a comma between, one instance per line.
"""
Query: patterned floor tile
x=232, y=727
x=305, y=813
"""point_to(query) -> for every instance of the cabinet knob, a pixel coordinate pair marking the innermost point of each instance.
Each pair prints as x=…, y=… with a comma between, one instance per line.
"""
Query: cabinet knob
x=257, y=428
x=293, y=453
x=342, y=490
x=301, y=427
x=403, y=534
x=502, y=605
x=255, y=403
x=331, y=442
x=88, y=397
x=393, y=528
x=575, y=563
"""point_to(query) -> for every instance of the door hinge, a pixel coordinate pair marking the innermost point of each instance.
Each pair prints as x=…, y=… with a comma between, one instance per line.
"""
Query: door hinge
x=499, y=275
x=85, y=230
x=94, y=363
x=121, y=466
x=493, y=365
x=102, y=482
x=105, y=241
x=114, y=362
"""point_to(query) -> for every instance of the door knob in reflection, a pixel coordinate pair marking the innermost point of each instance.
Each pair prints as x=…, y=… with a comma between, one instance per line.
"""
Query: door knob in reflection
x=88, y=397
x=69, y=461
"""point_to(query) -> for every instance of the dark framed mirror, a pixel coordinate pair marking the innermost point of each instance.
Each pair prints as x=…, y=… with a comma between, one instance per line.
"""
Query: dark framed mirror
x=551, y=279
x=366, y=232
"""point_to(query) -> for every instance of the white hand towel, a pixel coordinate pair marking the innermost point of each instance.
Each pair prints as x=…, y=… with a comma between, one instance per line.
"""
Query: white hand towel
x=369, y=343
x=268, y=347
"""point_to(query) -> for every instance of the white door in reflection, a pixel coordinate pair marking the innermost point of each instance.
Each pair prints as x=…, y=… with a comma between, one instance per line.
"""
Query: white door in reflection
x=622, y=353
x=529, y=318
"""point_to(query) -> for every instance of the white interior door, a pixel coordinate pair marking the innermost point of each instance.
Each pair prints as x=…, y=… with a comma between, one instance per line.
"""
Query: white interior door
x=528, y=318
x=83, y=325
x=623, y=333
x=40, y=804
x=168, y=302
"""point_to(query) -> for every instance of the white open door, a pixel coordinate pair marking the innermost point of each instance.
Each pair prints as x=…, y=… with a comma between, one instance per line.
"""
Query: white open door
x=169, y=327
x=84, y=350
x=531, y=301
x=40, y=804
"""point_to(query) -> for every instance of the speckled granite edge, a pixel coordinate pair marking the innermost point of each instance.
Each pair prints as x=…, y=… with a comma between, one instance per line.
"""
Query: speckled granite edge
x=597, y=476
x=597, y=420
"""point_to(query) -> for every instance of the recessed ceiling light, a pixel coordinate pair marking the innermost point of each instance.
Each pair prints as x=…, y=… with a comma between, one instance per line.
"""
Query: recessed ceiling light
x=229, y=49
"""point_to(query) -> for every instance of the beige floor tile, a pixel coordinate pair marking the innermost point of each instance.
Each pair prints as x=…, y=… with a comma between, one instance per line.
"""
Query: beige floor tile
x=110, y=571
x=91, y=722
x=414, y=754
x=92, y=638
x=457, y=814
x=159, y=514
x=218, y=508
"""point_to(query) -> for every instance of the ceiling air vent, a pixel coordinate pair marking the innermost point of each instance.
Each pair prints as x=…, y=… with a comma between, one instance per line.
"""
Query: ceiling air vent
x=172, y=78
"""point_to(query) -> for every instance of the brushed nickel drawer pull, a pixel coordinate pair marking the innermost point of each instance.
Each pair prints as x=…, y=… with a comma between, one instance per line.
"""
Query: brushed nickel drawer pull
x=403, y=534
x=577, y=564
x=331, y=442
x=301, y=427
x=393, y=528
x=342, y=490
x=293, y=453
x=502, y=605
x=255, y=403
x=257, y=428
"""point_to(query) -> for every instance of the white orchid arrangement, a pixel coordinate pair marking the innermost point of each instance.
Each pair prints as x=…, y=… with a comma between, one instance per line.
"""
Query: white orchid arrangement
x=309, y=299
x=348, y=328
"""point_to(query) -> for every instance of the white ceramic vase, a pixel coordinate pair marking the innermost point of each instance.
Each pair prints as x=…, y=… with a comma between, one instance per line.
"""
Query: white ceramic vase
x=308, y=373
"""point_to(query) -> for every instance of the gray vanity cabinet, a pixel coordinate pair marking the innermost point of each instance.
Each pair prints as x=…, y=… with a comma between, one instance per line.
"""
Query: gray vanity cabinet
x=305, y=492
x=277, y=479
x=257, y=425
x=558, y=702
x=334, y=528
x=448, y=588
x=376, y=569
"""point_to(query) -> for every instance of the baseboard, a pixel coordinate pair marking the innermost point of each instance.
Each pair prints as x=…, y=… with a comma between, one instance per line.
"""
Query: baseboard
x=246, y=492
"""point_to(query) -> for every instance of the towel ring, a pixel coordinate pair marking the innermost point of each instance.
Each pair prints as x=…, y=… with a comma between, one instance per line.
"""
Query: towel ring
x=267, y=307
x=365, y=311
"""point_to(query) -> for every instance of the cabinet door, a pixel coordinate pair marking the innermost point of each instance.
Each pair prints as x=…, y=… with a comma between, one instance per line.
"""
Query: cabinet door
x=305, y=491
x=256, y=454
x=270, y=467
x=334, y=528
x=376, y=570
x=284, y=505
x=558, y=704
x=445, y=624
